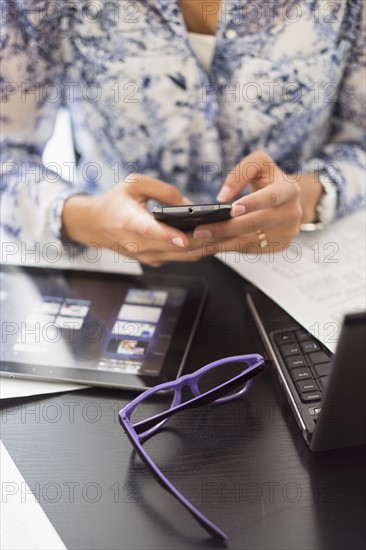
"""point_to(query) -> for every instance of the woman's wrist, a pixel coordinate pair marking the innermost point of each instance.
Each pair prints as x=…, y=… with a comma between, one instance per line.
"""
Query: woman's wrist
x=77, y=219
x=311, y=190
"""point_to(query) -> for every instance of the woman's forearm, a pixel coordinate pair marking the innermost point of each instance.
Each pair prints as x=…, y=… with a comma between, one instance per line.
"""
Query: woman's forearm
x=78, y=219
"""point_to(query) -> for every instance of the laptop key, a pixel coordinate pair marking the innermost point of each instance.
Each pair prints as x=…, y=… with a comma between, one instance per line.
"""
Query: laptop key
x=290, y=349
x=306, y=385
x=314, y=410
x=310, y=396
x=323, y=369
x=295, y=361
x=302, y=335
x=301, y=374
x=285, y=338
x=318, y=357
x=309, y=346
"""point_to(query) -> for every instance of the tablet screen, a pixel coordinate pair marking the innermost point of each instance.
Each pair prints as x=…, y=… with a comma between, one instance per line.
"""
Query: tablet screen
x=98, y=328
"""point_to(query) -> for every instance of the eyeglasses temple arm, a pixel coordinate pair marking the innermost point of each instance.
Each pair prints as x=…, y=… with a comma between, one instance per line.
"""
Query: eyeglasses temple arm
x=210, y=527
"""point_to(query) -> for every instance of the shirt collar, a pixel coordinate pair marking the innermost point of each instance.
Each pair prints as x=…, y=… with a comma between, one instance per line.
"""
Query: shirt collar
x=171, y=12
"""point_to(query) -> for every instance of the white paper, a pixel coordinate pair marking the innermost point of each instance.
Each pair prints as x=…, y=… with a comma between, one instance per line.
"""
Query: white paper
x=318, y=280
x=24, y=525
x=11, y=387
x=52, y=255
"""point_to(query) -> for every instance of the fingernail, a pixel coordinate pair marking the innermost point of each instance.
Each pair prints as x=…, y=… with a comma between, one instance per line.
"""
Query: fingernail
x=224, y=194
x=237, y=210
x=178, y=242
x=202, y=234
x=186, y=200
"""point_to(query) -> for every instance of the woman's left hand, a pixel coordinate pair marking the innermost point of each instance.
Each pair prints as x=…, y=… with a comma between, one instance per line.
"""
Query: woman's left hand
x=268, y=217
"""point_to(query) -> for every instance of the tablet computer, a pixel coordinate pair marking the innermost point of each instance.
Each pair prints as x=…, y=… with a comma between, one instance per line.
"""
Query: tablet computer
x=99, y=329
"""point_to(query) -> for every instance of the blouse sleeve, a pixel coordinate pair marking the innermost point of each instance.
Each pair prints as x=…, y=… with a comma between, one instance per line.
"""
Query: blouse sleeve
x=31, y=92
x=343, y=157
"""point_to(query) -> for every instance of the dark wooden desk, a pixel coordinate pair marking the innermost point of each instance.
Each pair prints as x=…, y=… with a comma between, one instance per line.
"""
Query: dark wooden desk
x=243, y=464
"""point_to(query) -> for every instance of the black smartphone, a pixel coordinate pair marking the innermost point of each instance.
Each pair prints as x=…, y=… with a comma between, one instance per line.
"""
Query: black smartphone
x=188, y=217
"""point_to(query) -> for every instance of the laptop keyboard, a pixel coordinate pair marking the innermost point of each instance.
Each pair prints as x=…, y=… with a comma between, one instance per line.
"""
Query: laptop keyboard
x=308, y=363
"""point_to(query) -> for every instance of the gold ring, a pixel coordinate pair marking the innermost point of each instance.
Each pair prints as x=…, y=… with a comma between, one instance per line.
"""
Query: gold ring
x=263, y=240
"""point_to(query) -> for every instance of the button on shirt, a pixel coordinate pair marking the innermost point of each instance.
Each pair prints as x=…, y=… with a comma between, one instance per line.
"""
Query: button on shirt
x=287, y=79
x=230, y=34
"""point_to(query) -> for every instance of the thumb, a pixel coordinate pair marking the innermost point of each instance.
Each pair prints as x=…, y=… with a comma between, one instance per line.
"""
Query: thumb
x=249, y=170
x=152, y=188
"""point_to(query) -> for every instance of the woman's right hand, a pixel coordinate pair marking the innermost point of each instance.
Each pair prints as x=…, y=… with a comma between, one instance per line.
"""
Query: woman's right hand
x=118, y=220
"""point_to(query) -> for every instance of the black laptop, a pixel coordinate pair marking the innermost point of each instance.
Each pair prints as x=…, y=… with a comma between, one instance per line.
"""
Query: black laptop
x=326, y=392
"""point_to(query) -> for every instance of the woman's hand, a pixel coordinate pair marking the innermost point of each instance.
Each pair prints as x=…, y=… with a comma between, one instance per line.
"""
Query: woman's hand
x=118, y=220
x=270, y=216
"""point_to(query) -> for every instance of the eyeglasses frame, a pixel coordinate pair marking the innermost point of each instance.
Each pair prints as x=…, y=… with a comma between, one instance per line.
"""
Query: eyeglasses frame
x=141, y=431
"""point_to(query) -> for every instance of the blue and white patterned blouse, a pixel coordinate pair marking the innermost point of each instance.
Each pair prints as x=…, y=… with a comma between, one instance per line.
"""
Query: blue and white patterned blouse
x=287, y=77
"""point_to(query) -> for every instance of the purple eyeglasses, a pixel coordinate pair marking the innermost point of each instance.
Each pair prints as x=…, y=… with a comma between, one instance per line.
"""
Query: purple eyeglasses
x=140, y=431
